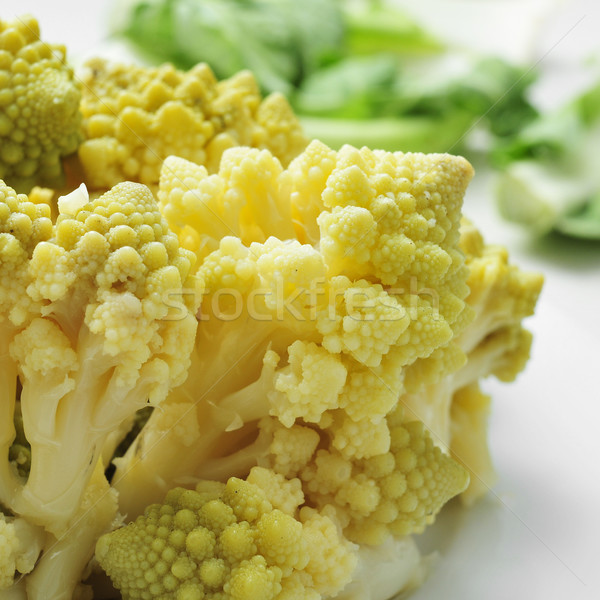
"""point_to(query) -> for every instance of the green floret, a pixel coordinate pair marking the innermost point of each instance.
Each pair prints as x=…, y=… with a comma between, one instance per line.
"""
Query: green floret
x=39, y=107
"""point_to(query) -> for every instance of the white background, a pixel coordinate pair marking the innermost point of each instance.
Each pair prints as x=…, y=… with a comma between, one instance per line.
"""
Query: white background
x=537, y=534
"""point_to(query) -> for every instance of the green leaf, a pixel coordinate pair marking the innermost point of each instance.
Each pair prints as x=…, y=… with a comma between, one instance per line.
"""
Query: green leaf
x=279, y=40
x=374, y=27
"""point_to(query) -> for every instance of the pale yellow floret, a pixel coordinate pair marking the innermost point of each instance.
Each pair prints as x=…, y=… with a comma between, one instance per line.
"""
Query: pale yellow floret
x=326, y=473
x=332, y=558
x=230, y=267
x=279, y=538
x=284, y=494
x=398, y=490
x=348, y=234
x=248, y=501
x=367, y=322
x=384, y=382
x=414, y=201
x=291, y=448
x=42, y=348
x=432, y=478
x=134, y=117
x=39, y=106
x=309, y=173
x=248, y=198
x=500, y=293
x=253, y=579
x=23, y=225
x=20, y=545
x=278, y=129
x=308, y=386
x=106, y=308
x=117, y=252
x=359, y=438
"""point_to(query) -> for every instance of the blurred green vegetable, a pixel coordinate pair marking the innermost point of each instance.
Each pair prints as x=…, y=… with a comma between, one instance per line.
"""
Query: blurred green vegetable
x=425, y=105
x=548, y=174
x=279, y=40
x=372, y=27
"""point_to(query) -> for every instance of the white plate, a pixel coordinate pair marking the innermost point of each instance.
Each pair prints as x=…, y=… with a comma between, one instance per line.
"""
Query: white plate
x=537, y=533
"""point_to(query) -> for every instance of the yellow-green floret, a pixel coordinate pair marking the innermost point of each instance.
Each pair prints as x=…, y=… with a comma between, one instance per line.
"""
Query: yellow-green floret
x=226, y=541
x=40, y=120
x=134, y=117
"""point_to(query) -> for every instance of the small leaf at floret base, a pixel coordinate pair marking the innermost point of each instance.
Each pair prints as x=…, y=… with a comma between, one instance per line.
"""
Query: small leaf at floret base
x=72, y=203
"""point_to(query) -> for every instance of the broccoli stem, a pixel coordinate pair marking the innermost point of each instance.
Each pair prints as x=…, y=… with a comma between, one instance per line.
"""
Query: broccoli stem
x=67, y=422
x=8, y=390
x=69, y=553
x=214, y=412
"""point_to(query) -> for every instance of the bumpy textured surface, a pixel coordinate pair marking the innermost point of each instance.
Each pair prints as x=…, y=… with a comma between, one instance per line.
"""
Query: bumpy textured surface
x=98, y=320
x=23, y=224
x=39, y=106
x=304, y=335
x=355, y=312
x=134, y=117
x=398, y=491
x=115, y=258
x=227, y=541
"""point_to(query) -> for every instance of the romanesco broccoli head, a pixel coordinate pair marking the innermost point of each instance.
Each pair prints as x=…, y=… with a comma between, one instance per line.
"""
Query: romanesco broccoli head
x=344, y=291
x=39, y=106
x=226, y=540
x=134, y=117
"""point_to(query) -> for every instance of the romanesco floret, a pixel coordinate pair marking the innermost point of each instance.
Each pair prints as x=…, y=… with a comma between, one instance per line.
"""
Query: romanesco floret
x=227, y=541
x=303, y=336
x=39, y=106
x=23, y=225
x=493, y=343
x=134, y=117
x=103, y=344
x=244, y=200
x=89, y=336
